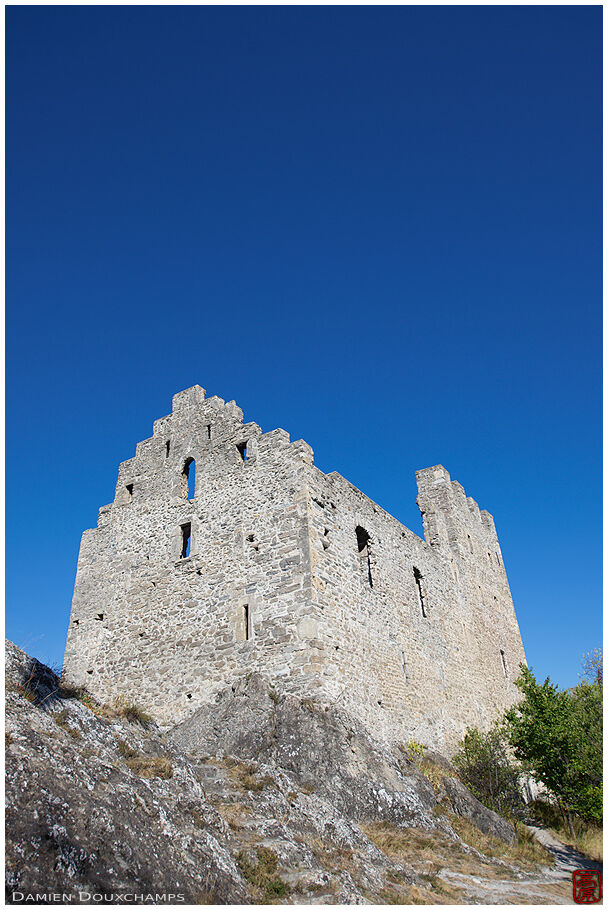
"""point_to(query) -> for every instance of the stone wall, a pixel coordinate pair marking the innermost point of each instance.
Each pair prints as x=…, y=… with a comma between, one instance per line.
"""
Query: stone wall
x=293, y=573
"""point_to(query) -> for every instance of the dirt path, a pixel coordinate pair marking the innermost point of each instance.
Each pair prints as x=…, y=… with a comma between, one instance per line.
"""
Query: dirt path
x=550, y=885
x=566, y=858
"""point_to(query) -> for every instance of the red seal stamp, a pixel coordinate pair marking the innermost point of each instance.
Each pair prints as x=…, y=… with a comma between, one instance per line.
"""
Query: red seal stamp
x=586, y=886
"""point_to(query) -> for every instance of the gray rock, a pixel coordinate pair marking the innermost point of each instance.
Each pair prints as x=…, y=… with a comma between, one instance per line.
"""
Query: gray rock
x=327, y=750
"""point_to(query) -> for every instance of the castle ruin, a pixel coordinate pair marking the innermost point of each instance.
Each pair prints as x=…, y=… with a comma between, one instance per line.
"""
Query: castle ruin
x=226, y=551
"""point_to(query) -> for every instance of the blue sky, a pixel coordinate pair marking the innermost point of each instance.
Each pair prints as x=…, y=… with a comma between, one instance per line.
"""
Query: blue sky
x=378, y=228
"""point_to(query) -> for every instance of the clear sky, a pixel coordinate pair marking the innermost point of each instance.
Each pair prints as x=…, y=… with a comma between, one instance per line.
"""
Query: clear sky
x=378, y=228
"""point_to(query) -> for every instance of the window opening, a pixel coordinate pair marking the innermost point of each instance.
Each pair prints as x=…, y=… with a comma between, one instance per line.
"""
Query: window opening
x=504, y=662
x=363, y=545
x=99, y=617
x=208, y=431
x=189, y=474
x=186, y=530
x=243, y=628
x=418, y=577
x=242, y=447
x=167, y=448
x=129, y=489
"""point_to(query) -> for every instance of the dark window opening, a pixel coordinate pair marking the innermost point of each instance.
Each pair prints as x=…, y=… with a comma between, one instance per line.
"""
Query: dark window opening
x=186, y=530
x=208, y=431
x=189, y=695
x=76, y=622
x=167, y=448
x=504, y=663
x=189, y=475
x=246, y=623
x=418, y=577
x=99, y=617
x=129, y=489
x=242, y=447
x=363, y=545
x=89, y=672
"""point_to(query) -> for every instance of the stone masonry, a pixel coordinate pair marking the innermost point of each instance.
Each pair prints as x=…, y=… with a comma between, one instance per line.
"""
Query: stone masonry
x=270, y=565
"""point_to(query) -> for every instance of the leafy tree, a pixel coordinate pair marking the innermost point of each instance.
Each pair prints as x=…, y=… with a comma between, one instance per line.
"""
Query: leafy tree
x=556, y=735
x=593, y=666
x=484, y=766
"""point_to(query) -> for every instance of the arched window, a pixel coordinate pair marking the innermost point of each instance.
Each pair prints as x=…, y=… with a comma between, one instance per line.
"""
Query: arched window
x=189, y=478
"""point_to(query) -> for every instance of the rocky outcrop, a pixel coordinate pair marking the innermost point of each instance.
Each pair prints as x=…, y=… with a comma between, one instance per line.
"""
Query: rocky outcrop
x=324, y=748
x=259, y=797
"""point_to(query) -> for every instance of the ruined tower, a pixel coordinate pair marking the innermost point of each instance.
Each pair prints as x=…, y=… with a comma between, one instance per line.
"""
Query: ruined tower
x=226, y=551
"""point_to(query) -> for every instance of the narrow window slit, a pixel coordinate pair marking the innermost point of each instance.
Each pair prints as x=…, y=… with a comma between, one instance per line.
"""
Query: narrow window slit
x=167, y=448
x=243, y=631
x=208, y=431
x=419, y=591
x=363, y=546
x=242, y=448
x=189, y=478
x=99, y=617
x=186, y=530
x=504, y=663
x=129, y=489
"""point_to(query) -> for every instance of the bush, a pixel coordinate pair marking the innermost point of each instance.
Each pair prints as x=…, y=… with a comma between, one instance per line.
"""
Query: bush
x=484, y=766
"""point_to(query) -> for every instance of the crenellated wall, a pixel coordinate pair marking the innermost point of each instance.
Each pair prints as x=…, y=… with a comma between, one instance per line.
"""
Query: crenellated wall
x=417, y=638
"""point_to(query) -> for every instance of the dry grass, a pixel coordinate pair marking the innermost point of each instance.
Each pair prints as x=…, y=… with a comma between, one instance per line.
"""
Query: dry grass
x=233, y=814
x=126, y=710
x=151, y=766
x=145, y=765
x=262, y=875
x=26, y=689
x=245, y=775
x=61, y=719
x=590, y=841
x=526, y=853
x=431, y=851
x=120, y=707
